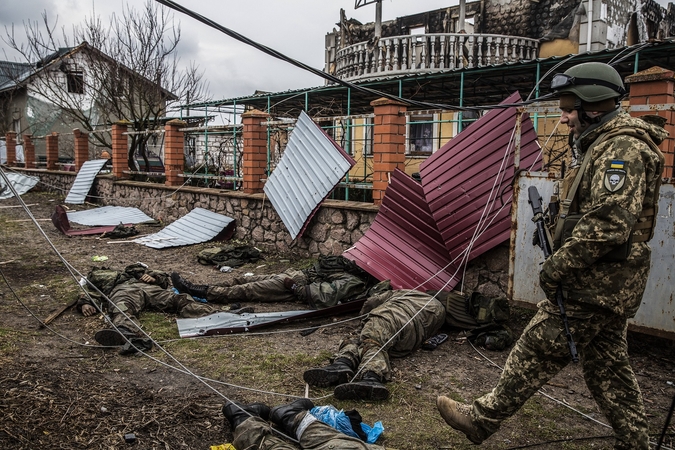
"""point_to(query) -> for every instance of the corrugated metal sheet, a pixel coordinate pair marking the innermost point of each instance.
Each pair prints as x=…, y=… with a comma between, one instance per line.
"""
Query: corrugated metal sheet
x=83, y=181
x=199, y=225
x=658, y=303
x=21, y=183
x=228, y=323
x=310, y=168
x=403, y=243
x=109, y=215
x=470, y=172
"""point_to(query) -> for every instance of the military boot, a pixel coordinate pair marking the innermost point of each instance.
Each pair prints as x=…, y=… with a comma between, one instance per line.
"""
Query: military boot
x=369, y=387
x=341, y=371
x=458, y=416
x=114, y=338
x=236, y=412
x=184, y=286
x=284, y=415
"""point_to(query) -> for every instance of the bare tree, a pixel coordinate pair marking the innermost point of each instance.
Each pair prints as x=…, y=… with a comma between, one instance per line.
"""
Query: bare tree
x=126, y=70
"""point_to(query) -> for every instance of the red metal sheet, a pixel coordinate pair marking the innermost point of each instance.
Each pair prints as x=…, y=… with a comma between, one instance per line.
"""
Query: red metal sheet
x=403, y=244
x=476, y=169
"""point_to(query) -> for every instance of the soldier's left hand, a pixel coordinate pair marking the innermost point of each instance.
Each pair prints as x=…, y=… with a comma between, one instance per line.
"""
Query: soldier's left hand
x=147, y=278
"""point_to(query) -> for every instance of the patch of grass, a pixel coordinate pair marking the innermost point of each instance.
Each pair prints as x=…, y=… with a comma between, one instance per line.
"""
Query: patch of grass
x=10, y=341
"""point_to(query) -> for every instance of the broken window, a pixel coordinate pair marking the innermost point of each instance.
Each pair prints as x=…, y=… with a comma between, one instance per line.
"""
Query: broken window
x=75, y=81
x=420, y=135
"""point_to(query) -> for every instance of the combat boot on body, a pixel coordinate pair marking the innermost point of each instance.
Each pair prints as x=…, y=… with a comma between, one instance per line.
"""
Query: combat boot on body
x=184, y=286
x=341, y=371
x=114, y=338
x=131, y=342
x=236, y=412
x=369, y=387
x=458, y=416
x=284, y=415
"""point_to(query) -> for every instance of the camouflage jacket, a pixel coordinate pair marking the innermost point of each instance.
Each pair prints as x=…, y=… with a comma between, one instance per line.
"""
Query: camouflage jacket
x=618, y=183
x=107, y=281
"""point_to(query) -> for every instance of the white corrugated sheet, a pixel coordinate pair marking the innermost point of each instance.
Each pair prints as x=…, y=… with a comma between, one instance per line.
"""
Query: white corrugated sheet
x=199, y=225
x=109, y=215
x=21, y=183
x=311, y=166
x=83, y=181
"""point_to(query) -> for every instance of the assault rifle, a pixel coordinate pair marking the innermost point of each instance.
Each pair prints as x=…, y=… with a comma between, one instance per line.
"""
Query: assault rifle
x=543, y=241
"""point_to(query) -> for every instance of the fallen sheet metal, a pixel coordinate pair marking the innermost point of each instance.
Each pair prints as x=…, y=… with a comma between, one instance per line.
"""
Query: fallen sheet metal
x=470, y=172
x=83, y=181
x=21, y=183
x=228, y=323
x=403, y=243
x=199, y=225
x=109, y=215
x=60, y=221
x=310, y=168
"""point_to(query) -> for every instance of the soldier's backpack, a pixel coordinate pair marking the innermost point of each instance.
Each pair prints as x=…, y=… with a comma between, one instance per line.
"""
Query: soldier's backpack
x=229, y=255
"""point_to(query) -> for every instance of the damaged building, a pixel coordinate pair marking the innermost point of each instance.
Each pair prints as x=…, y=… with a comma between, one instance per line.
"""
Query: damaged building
x=487, y=32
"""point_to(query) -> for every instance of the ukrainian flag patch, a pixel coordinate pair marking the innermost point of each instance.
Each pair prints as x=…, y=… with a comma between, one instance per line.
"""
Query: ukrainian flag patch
x=616, y=164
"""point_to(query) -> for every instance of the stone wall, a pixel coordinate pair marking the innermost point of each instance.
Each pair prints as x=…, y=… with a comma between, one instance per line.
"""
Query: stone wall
x=335, y=227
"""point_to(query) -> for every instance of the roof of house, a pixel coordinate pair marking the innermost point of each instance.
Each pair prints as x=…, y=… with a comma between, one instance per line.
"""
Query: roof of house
x=19, y=73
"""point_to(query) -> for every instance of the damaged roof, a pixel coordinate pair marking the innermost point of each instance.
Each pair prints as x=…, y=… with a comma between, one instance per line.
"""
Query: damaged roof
x=311, y=166
x=468, y=182
x=199, y=225
x=403, y=244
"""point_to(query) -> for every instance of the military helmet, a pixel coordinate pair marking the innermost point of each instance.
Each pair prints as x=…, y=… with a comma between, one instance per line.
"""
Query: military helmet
x=592, y=82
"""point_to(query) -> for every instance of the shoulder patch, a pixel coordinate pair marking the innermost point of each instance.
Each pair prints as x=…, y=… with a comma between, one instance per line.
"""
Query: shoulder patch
x=614, y=178
x=616, y=164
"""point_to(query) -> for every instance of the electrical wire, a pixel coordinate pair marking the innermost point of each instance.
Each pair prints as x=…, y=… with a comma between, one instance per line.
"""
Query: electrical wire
x=332, y=78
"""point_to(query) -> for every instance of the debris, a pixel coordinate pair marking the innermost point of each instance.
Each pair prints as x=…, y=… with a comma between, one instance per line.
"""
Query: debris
x=130, y=438
x=99, y=258
x=58, y=312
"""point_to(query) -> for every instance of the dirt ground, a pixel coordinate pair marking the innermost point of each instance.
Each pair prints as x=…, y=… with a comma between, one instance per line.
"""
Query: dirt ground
x=60, y=390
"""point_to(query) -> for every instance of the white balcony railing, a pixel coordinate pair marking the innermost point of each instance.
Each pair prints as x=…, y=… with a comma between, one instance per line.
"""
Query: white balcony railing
x=431, y=52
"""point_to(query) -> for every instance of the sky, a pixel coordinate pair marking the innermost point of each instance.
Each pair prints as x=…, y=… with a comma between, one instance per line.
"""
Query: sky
x=296, y=28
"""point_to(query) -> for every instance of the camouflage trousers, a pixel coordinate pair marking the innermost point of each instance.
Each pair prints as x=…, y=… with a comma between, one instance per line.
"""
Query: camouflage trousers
x=256, y=434
x=132, y=298
x=542, y=351
x=380, y=332
x=257, y=288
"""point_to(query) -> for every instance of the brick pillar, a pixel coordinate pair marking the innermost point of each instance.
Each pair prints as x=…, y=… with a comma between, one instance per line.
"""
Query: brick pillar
x=120, y=149
x=388, y=143
x=52, y=151
x=174, y=156
x=652, y=87
x=81, y=148
x=255, y=150
x=10, y=145
x=29, y=151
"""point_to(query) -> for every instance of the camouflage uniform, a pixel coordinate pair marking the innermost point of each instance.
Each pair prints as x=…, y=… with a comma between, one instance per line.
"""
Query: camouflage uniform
x=319, y=291
x=255, y=433
x=396, y=309
x=131, y=296
x=600, y=295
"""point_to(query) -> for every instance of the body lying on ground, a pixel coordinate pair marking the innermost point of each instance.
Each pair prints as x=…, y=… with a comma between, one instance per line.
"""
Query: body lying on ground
x=130, y=291
x=330, y=281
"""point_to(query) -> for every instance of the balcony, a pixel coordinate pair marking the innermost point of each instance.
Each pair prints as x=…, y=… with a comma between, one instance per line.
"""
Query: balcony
x=426, y=53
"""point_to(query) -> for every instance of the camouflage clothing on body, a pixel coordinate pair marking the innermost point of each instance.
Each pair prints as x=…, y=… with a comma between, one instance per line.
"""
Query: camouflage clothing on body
x=608, y=219
x=256, y=434
x=600, y=295
x=317, y=291
x=130, y=296
x=394, y=313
